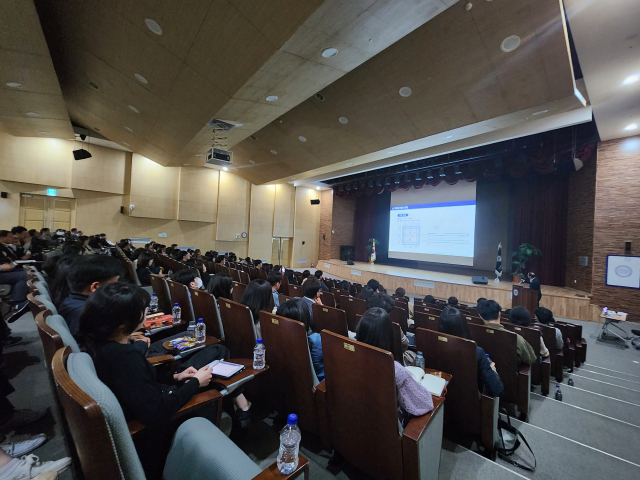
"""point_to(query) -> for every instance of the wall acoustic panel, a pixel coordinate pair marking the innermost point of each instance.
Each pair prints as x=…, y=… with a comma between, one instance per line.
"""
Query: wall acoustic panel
x=233, y=207
x=198, y=194
x=154, y=189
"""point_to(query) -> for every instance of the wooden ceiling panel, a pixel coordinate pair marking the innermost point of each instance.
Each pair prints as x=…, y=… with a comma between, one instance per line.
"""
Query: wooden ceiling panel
x=180, y=21
x=46, y=106
x=222, y=55
x=20, y=28
x=34, y=72
x=277, y=20
x=56, y=128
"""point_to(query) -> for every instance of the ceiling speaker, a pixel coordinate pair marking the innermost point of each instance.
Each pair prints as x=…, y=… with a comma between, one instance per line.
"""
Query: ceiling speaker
x=315, y=201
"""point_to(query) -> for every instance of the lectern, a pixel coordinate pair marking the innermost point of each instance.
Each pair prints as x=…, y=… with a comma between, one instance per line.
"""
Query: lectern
x=524, y=297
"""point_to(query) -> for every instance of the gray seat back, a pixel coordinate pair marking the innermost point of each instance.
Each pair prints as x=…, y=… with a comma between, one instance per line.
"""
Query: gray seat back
x=59, y=324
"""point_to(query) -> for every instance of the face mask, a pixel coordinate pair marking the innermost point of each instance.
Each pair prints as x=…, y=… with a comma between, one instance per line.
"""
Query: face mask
x=199, y=282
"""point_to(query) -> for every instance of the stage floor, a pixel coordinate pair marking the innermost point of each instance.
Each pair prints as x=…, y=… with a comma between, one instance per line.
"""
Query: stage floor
x=564, y=302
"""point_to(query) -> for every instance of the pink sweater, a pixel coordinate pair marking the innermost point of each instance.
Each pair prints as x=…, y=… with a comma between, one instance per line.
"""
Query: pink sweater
x=412, y=396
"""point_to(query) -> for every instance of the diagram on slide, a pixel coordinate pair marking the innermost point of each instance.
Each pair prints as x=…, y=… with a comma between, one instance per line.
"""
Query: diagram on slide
x=411, y=235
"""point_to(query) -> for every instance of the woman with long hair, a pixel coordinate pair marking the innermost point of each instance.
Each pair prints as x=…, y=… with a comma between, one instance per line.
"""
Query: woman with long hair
x=257, y=296
x=452, y=322
x=221, y=286
x=375, y=329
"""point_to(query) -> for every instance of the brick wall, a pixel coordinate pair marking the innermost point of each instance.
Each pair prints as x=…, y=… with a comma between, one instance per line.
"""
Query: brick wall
x=326, y=213
x=580, y=218
x=344, y=217
x=617, y=219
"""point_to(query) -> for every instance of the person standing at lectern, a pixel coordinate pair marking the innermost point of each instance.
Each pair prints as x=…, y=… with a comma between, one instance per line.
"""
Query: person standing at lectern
x=534, y=284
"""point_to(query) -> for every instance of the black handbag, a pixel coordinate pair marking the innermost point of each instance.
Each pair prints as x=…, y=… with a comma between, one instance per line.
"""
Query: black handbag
x=505, y=452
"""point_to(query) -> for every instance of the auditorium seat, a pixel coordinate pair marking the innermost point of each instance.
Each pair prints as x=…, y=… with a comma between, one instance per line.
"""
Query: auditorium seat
x=253, y=273
x=400, y=316
x=239, y=331
x=284, y=286
x=295, y=291
x=283, y=298
x=569, y=350
x=205, y=307
x=540, y=370
x=337, y=293
x=238, y=292
x=397, y=343
x=501, y=347
x=556, y=357
x=327, y=298
x=352, y=307
x=244, y=277
x=331, y=319
x=161, y=289
x=235, y=275
x=292, y=379
x=180, y=295
x=426, y=320
x=262, y=275
x=467, y=412
x=363, y=420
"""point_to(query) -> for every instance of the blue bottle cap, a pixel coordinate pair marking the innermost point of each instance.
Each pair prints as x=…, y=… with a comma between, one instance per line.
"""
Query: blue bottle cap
x=176, y=304
x=200, y=320
x=487, y=355
x=154, y=295
x=292, y=419
x=259, y=340
x=419, y=353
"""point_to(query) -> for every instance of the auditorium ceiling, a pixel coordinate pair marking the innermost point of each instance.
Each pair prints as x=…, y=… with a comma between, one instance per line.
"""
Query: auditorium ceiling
x=149, y=74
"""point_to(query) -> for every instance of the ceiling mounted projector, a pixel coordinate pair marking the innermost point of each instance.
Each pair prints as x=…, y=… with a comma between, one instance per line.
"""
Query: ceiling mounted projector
x=81, y=154
x=220, y=157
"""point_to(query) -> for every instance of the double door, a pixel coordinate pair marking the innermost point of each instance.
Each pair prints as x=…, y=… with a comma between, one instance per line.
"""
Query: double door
x=281, y=251
x=40, y=211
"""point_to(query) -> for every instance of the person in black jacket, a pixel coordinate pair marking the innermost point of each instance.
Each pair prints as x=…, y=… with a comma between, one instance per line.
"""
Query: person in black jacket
x=453, y=323
x=146, y=268
x=534, y=284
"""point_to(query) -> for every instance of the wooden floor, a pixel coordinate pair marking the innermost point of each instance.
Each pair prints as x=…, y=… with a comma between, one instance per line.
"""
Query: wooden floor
x=563, y=302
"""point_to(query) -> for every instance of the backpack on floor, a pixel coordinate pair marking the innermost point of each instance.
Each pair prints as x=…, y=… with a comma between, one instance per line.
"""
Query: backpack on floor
x=509, y=442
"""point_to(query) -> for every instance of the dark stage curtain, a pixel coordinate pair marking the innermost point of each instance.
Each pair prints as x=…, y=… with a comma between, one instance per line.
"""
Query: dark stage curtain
x=372, y=221
x=540, y=218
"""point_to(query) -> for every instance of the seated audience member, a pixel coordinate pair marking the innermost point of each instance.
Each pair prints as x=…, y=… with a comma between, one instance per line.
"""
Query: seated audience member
x=452, y=302
x=94, y=243
x=9, y=248
x=344, y=285
x=51, y=263
x=453, y=323
x=257, y=296
x=401, y=293
x=480, y=300
x=375, y=329
x=125, y=246
x=521, y=316
x=311, y=291
x=59, y=285
x=136, y=253
x=374, y=285
x=384, y=301
x=110, y=316
x=275, y=279
x=489, y=311
x=289, y=274
x=12, y=274
x=83, y=241
x=305, y=274
x=247, y=261
x=257, y=264
x=367, y=293
x=202, y=269
x=87, y=274
x=429, y=300
x=22, y=241
x=296, y=309
x=38, y=242
x=221, y=286
x=220, y=259
x=545, y=316
x=146, y=268
x=188, y=277
x=319, y=274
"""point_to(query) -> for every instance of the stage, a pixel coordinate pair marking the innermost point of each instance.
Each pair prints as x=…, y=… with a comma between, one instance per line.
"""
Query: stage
x=563, y=302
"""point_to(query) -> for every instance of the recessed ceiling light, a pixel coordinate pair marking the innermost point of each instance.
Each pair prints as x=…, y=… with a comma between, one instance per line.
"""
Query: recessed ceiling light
x=329, y=52
x=128, y=129
x=252, y=162
x=93, y=86
x=238, y=124
x=349, y=164
x=632, y=126
x=540, y=112
x=32, y=114
x=302, y=139
x=449, y=136
x=198, y=154
x=510, y=43
x=133, y=109
x=186, y=164
x=405, y=92
x=225, y=169
x=140, y=78
x=631, y=79
x=274, y=152
x=14, y=85
x=44, y=133
x=343, y=120
x=153, y=26
x=317, y=188
x=125, y=143
x=318, y=96
x=271, y=98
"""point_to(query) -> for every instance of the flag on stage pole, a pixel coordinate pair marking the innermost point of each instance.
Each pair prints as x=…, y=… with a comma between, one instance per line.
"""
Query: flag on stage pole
x=373, y=252
x=499, y=263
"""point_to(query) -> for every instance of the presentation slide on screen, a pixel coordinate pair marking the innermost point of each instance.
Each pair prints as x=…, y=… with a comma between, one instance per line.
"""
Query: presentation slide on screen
x=434, y=224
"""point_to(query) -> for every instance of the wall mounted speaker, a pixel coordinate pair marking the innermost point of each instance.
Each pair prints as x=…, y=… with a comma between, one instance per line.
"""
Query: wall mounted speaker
x=315, y=201
x=81, y=154
x=4, y=195
x=121, y=209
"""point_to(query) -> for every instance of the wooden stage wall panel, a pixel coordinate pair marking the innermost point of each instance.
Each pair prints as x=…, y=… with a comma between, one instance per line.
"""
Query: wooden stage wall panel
x=563, y=302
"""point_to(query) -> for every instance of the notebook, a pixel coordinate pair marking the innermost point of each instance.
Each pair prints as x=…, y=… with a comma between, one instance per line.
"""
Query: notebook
x=225, y=369
x=434, y=385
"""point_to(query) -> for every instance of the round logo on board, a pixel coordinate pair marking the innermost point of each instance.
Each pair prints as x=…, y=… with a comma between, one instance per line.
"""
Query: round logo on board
x=515, y=292
x=623, y=271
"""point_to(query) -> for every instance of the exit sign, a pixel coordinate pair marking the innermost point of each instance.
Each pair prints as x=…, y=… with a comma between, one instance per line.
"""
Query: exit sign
x=52, y=192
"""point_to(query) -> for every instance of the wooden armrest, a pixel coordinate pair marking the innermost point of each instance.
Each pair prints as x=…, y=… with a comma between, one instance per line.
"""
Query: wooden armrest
x=198, y=400
x=272, y=471
x=488, y=421
x=417, y=425
x=247, y=372
x=524, y=370
x=160, y=359
x=323, y=419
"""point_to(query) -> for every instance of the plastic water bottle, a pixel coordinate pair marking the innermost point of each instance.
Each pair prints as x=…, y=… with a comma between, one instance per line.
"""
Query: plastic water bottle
x=419, y=362
x=570, y=382
x=153, y=303
x=177, y=313
x=258, y=357
x=191, y=330
x=289, y=445
x=558, y=393
x=201, y=331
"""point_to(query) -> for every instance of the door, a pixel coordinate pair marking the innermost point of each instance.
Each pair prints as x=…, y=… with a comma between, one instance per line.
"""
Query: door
x=38, y=211
x=281, y=251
